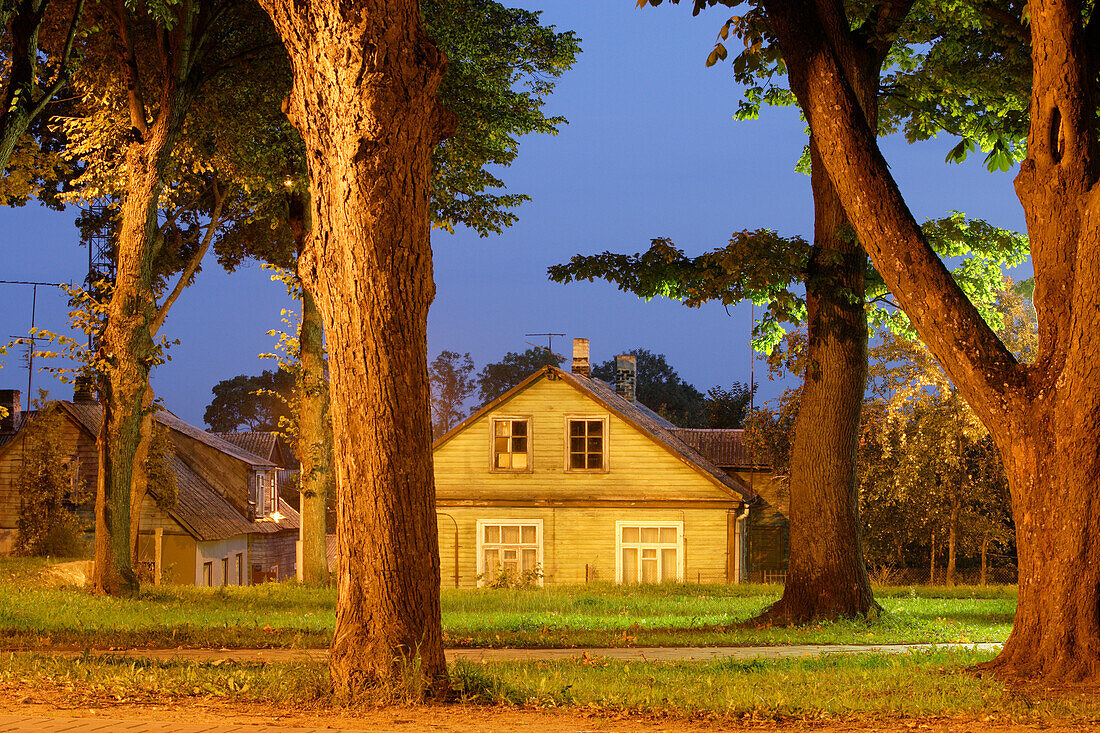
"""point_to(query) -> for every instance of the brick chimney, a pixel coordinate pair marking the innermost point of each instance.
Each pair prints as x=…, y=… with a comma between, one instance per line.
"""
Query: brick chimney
x=626, y=376
x=84, y=389
x=10, y=399
x=581, y=364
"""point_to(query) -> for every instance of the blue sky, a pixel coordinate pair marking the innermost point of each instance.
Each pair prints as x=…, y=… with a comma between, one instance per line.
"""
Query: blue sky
x=651, y=150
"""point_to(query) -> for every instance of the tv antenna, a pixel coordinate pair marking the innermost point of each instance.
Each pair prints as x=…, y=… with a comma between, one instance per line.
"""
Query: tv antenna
x=549, y=340
x=30, y=338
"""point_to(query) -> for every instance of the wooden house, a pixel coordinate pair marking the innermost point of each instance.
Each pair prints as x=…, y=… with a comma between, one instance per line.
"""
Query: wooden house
x=572, y=478
x=228, y=525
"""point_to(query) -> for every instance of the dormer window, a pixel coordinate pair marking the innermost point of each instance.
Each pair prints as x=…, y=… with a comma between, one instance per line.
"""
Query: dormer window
x=265, y=493
x=511, y=450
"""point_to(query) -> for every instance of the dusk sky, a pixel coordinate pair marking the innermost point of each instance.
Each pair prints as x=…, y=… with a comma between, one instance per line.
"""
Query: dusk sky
x=651, y=150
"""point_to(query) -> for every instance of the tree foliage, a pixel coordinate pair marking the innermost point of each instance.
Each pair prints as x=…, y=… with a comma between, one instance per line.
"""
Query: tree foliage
x=498, y=377
x=452, y=385
x=253, y=402
x=46, y=525
x=659, y=387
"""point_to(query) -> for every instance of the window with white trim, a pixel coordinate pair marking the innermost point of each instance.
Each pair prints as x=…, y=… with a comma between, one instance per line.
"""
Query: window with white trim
x=511, y=444
x=586, y=444
x=509, y=547
x=649, y=552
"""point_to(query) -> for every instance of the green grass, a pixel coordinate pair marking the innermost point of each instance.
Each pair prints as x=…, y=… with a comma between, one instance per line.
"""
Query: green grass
x=33, y=614
x=923, y=685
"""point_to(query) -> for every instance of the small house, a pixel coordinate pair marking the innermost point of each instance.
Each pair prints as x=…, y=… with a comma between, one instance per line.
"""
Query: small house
x=567, y=479
x=227, y=525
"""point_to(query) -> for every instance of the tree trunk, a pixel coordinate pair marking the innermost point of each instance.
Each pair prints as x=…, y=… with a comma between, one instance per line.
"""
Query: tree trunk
x=952, y=538
x=314, y=449
x=363, y=99
x=932, y=561
x=985, y=558
x=826, y=573
x=1044, y=417
x=139, y=487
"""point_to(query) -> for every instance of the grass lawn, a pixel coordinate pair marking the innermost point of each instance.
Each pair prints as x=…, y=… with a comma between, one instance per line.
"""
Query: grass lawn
x=35, y=614
x=860, y=689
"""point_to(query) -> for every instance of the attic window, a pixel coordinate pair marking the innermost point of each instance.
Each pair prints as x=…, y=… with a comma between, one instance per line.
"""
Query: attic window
x=586, y=444
x=511, y=445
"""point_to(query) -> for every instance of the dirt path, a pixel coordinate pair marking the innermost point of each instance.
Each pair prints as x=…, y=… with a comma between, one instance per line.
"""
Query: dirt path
x=46, y=716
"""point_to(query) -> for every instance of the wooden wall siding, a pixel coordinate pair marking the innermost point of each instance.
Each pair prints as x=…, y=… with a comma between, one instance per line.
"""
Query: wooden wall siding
x=639, y=468
x=76, y=442
x=574, y=538
x=220, y=470
x=267, y=550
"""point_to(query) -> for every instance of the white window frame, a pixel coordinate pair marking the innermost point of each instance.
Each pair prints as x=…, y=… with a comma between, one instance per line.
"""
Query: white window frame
x=647, y=523
x=483, y=523
x=493, y=420
x=605, y=468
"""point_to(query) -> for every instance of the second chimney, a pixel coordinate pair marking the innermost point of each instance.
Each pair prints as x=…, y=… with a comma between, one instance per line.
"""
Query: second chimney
x=581, y=364
x=10, y=399
x=626, y=376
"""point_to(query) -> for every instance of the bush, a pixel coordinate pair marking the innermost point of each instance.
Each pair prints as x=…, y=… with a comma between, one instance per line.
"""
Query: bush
x=501, y=578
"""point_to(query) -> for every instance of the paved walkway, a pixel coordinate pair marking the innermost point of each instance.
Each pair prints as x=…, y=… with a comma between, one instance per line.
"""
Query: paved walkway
x=638, y=653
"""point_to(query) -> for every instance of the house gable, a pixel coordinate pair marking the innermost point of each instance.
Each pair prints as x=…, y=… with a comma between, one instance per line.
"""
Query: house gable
x=640, y=467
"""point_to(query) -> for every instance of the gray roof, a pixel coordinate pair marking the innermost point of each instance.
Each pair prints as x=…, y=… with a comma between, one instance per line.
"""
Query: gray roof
x=723, y=447
x=258, y=444
x=200, y=507
x=210, y=516
x=90, y=414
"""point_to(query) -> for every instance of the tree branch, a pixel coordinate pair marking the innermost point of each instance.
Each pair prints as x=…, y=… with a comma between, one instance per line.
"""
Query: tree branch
x=193, y=264
x=127, y=60
x=970, y=352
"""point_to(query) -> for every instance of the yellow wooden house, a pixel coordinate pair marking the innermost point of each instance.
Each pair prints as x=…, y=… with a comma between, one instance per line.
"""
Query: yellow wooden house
x=570, y=479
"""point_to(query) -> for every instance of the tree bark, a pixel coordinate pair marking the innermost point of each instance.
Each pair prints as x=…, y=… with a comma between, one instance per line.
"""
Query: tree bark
x=826, y=573
x=1045, y=417
x=952, y=537
x=314, y=449
x=985, y=558
x=932, y=561
x=139, y=487
x=363, y=99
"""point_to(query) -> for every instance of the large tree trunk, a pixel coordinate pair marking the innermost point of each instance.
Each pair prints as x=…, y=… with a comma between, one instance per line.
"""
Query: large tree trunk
x=313, y=449
x=139, y=487
x=363, y=99
x=826, y=573
x=1045, y=418
x=127, y=349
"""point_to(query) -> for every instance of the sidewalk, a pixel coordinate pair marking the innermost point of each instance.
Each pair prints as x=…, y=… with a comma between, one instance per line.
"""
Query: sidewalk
x=646, y=653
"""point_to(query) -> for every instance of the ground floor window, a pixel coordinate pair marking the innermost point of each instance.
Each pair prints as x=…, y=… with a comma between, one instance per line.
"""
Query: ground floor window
x=511, y=548
x=208, y=574
x=649, y=552
x=225, y=571
x=240, y=568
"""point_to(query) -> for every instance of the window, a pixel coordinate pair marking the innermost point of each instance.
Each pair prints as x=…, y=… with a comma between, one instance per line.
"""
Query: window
x=650, y=553
x=267, y=496
x=240, y=568
x=586, y=444
x=74, y=479
x=511, y=547
x=511, y=444
x=225, y=571
x=208, y=574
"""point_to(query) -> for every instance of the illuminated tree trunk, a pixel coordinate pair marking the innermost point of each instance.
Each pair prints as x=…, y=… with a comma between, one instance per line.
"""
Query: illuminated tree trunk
x=127, y=349
x=826, y=573
x=139, y=487
x=314, y=448
x=1044, y=417
x=363, y=99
